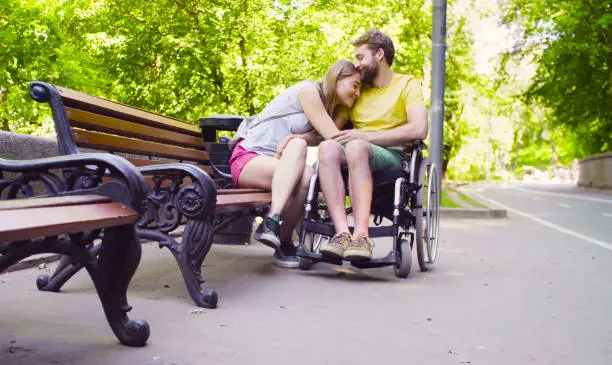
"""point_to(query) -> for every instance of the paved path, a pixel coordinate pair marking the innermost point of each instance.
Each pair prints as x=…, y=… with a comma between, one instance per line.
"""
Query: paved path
x=503, y=292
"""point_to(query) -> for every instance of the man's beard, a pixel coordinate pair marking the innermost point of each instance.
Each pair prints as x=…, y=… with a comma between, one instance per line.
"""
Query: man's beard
x=369, y=73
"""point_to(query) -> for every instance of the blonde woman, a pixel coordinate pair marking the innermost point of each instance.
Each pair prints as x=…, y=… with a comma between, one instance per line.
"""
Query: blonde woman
x=269, y=149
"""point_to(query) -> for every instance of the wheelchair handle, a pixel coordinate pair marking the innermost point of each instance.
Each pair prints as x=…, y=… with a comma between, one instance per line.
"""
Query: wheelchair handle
x=418, y=144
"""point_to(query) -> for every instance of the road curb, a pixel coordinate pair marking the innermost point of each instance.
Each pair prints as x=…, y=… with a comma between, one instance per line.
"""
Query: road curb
x=476, y=213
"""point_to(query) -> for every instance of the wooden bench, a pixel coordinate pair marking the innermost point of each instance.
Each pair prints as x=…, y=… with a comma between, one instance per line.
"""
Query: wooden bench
x=172, y=156
x=93, y=197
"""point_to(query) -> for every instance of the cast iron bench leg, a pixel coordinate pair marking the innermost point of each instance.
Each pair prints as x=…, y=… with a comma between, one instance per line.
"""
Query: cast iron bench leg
x=190, y=254
x=111, y=273
x=67, y=268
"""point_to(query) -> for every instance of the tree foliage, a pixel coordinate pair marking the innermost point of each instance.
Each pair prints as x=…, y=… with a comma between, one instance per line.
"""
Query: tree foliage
x=191, y=58
x=571, y=42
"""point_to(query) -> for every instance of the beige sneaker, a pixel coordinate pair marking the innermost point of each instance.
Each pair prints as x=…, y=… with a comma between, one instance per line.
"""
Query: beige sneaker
x=359, y=248
x=336, y=245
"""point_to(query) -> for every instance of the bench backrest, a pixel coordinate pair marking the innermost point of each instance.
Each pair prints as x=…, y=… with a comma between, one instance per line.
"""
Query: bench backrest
x=82, y=120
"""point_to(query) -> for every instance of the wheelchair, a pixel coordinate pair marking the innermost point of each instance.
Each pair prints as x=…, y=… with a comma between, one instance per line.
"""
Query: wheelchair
x=409, y=197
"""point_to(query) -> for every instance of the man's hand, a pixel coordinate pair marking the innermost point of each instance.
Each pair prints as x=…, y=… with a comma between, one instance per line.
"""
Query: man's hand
x=351, y=135
x=281, y=146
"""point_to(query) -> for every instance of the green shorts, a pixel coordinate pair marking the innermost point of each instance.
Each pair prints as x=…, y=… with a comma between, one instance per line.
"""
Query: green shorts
x=385, y=157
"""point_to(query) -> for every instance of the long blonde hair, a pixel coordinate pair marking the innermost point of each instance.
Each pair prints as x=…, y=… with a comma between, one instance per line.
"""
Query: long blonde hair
x=327, y=85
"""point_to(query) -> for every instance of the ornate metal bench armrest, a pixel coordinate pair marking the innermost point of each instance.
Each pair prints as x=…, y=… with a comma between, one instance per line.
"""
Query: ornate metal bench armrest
x=99, y=164
x=195, y=200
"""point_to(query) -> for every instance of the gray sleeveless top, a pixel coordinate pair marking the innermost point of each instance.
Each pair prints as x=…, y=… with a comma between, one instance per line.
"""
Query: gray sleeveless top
x=283, y=116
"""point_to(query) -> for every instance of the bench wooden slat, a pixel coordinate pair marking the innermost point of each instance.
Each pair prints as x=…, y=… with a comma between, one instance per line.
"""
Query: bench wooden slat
x=50, y=221
x=235, y=202
x=110, y=142
x=239, y=191
x=101, y=123
x=139, y=162
x=90, y=103
x=55, y=201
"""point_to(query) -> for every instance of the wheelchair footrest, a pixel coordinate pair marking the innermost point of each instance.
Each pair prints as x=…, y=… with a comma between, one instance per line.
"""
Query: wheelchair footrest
x=317, y=257
x=390, y=259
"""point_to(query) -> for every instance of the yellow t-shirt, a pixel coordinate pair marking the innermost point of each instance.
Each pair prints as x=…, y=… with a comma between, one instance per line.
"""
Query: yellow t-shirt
x=385, y=108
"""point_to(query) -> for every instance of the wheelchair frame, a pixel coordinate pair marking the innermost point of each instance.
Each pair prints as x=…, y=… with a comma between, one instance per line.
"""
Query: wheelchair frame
x=421, y=186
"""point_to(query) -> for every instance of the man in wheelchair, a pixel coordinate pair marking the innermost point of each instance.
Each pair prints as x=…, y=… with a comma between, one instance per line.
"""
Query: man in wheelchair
x=390, y=113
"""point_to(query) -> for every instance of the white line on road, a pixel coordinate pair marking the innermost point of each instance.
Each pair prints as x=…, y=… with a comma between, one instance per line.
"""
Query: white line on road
x=573, y=196
x=563, y=205
x=609, y=215
x=569, y=232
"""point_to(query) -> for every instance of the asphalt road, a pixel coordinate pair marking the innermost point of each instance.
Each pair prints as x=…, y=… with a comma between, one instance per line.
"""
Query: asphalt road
x=585, y=215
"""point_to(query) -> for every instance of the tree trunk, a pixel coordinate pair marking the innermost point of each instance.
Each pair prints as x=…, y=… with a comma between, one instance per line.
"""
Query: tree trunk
x=517, y=149
x=555, y=156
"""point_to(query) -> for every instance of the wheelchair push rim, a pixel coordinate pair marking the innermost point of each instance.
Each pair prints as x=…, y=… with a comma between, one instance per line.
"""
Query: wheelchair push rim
x=432, y=214
x=427, y=215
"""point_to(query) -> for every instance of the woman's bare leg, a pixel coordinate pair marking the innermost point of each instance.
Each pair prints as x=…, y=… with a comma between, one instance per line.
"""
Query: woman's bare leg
x=258, y=173
x=294, y=209
x=284, y=177
x=288, y=174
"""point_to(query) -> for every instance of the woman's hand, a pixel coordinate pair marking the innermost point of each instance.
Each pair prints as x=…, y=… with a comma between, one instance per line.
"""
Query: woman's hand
x=281, y=146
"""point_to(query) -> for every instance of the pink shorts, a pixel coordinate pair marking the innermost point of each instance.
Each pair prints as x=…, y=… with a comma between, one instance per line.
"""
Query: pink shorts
x=240, y=157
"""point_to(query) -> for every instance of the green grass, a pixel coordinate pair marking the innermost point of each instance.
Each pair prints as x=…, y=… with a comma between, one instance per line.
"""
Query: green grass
x=447, y=202
x=467, y=199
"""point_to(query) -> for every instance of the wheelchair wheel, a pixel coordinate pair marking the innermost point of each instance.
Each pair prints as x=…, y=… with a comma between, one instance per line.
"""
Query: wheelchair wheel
x=427, y=214
x=402, y=267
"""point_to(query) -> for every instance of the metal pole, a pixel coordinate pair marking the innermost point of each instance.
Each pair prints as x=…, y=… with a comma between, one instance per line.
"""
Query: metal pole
x=438, y=76
x=489, y=146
